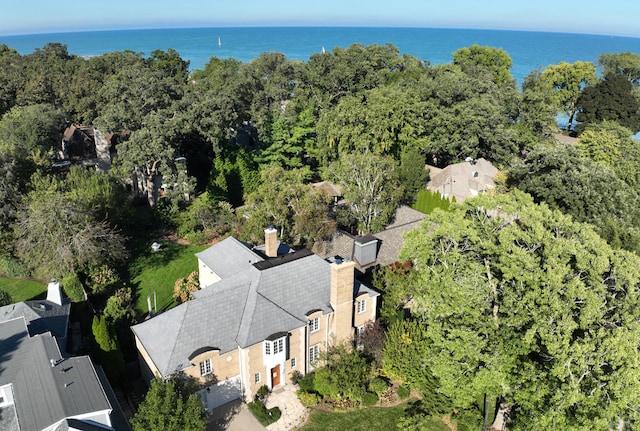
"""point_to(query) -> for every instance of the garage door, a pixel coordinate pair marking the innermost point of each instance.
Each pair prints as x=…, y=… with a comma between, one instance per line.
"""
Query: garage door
x=221, y=393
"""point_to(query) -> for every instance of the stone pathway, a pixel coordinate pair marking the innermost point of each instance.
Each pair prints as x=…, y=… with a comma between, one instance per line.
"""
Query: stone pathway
x=294, y=414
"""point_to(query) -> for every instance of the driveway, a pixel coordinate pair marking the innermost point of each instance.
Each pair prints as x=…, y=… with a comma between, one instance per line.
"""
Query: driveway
x=234, y=416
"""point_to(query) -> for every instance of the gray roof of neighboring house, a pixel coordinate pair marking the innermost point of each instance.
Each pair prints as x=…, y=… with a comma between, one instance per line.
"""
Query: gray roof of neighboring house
x=41, y=316
x=463, y=180
x=228, y=257
x=390, y=240
x=241, y=310
x=45, y=394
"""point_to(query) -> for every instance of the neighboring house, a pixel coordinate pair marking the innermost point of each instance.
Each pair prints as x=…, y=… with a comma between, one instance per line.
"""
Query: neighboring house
x=40, y=390
x=84, y=145
x=378, y=249
x=259, y=317
x=463, y=180
x=42, y=316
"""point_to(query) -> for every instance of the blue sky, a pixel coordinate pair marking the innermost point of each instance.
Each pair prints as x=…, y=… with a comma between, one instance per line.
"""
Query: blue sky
x=613, y=17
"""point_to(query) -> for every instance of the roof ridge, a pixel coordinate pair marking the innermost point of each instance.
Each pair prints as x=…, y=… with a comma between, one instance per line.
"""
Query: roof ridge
x=253, y=288
x=177, y=338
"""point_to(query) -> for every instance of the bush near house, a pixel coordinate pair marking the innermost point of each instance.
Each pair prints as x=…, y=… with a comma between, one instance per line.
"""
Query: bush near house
x=264, y=415
x=427, y=201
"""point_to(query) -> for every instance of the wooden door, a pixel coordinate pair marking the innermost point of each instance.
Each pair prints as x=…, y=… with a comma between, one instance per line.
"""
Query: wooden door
x=275, y=376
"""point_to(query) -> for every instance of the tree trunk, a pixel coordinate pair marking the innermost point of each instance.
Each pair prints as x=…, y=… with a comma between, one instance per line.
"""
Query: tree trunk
x=502, y=416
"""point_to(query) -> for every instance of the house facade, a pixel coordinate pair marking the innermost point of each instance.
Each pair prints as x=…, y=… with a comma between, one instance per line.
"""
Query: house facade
x=262, y=313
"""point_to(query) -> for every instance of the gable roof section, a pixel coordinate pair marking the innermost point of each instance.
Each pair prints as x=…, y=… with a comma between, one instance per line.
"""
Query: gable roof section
x=41, y=316
x=463, y=180
x=228, y=257
x=46, y=394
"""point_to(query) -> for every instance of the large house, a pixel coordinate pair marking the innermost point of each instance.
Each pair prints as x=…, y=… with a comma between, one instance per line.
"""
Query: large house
x=262, y=313
x=463, y=180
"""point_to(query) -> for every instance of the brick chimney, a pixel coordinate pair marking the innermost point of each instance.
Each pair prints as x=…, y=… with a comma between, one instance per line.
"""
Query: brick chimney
x=53, y=292
x=271, y=242
x=342, y=285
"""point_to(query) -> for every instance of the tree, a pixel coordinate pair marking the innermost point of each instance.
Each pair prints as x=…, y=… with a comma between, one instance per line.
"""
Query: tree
x=169, y=406
x=611, y=99
x=344, y=374
x=106, y=349
x=371, y=188
x=5, y=298
x=496, y=60
x=588, y=191
x=567, y=81
x=56, y=236
x=520, y=301
x=625, y=64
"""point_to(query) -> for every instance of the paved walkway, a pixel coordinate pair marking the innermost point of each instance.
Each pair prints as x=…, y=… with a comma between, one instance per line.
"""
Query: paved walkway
x=294, y=414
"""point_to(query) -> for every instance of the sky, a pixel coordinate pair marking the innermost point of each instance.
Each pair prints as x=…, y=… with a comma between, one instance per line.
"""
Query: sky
x=610, y=17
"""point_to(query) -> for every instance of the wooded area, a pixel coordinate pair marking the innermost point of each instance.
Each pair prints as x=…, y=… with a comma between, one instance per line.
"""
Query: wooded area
x=529, y=295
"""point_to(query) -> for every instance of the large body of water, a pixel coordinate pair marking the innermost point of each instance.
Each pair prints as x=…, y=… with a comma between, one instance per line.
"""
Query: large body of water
x=528, y=50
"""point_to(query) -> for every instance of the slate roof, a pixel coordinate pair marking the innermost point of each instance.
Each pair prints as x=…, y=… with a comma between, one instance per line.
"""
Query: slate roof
x=46, y=394
x=241, y=310
x=390, y=240
x=229, y=257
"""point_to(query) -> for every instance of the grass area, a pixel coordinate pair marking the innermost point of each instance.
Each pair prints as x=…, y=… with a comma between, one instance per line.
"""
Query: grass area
x=158, y=271
x=22, y=289
x=367, y=419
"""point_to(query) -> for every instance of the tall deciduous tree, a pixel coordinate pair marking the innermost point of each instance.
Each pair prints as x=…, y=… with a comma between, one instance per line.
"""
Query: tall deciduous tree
x=496, y=60
x=169, y=406
x=626, y=64
x=521, y=301
x=568, y=80
x=371, y=188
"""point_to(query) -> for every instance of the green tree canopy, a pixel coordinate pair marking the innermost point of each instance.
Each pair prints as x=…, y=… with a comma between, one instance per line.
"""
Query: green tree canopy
x=625, y=64
x=567, y=81
x=169, y=406
x=496, y=60
x=611, y=99
x=521, y=301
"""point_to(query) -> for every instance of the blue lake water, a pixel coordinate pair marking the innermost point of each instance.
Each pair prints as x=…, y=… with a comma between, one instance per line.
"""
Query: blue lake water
x=528, y=50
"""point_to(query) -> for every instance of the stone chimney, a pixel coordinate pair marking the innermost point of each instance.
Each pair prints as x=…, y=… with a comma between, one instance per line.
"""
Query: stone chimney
x=271, y=242
x=342, y=285
x=53, y=292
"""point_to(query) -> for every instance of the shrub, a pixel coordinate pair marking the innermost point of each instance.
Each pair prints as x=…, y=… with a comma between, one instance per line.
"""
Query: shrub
x=262, y=392
x=5, y=298
x=12, y=267
x=403, y=392
x=344, y=375
x=184, y=287
x=103, y=279
x=296, y=376
x=265, y=416
x=306, y=383
x=73, y=287
x=427, y=201
x=308, y=399
x=378, y=385
x=370, y=399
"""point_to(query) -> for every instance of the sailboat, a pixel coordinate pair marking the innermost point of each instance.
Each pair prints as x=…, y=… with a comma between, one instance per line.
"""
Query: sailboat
x=323, y=50
x=219, y=42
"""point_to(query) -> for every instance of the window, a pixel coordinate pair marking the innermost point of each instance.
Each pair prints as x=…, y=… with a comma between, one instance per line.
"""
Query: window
x=293, y=363
x=362, y=306
x=359, y=332
x=314, y=324
x=274, y=347
x=314, y=353
x=256, y=378
x=205, y=367
x=278, y=346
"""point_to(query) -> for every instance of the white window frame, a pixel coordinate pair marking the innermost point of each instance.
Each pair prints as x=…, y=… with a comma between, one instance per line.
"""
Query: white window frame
x=274, y=347
x=267, y=347
x=314, y=354
x=314, y=324
x=257, y=378
x=205, y=367
x=361, y=306
x=293, y=362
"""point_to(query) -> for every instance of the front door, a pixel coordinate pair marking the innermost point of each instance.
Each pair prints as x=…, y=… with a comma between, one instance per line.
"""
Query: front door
x=275, y=376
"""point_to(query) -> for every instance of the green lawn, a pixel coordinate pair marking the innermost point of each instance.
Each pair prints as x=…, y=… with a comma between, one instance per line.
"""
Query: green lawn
x=158, y=271
x=22, y=289
x=367, y=419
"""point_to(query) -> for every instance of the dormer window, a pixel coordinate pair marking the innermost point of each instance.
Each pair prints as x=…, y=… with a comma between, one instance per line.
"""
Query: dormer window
x=361, y=306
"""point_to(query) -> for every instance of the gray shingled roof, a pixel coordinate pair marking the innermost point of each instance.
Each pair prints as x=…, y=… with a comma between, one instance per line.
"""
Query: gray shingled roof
x=45, y=394
x=41, y=316
x=228, y=257
x=241, y=310
x=463, y=180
